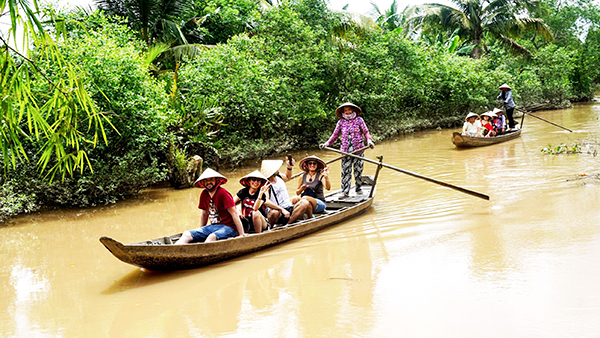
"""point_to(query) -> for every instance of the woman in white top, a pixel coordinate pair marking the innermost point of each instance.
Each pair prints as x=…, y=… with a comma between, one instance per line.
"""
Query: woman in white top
x=472, y=126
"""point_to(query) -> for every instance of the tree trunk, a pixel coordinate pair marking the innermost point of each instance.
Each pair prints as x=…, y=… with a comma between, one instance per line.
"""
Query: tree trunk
x=477, y=52
x=183, y=172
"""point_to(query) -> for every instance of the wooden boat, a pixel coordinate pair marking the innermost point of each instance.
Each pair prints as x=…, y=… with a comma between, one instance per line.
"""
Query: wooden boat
x=161, y=254
x=463, y=141
x=528, y=109
x=532, y=108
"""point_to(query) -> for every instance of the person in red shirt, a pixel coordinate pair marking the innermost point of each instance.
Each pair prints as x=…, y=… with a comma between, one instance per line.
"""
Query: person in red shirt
x=488, y=128
x=216, y=205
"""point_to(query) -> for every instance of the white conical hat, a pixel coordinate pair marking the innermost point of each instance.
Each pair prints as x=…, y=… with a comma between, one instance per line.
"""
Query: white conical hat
x=469, y=115
x=270, y=167
x=256, y=174
x=209, y=173
x=504, y=86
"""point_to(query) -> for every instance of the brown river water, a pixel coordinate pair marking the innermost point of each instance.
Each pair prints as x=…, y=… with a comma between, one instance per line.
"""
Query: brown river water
x=423, y=261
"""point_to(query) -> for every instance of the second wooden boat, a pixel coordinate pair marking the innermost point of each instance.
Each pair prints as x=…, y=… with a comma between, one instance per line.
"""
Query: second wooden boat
x=463, y=141
x=161, y=254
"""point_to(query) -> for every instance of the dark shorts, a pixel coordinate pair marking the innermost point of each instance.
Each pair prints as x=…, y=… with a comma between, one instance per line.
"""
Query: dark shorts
x=282, y=219
x=248, y=225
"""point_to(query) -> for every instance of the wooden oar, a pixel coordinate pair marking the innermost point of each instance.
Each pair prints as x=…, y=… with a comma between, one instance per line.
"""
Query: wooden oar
x=330, y=161
x=537, y=117
x=447, y=185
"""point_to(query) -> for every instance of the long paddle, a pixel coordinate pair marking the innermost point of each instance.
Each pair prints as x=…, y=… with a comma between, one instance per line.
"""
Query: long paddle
x=537, y=117
x=330, y=161
x=447, y=185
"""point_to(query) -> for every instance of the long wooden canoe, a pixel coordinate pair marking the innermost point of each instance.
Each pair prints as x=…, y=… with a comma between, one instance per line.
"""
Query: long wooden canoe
x=528, y=109
x=160, y=254
x=463, y=141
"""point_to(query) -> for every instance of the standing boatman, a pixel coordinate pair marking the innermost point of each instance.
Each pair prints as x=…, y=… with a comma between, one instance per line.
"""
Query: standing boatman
x=508, y=103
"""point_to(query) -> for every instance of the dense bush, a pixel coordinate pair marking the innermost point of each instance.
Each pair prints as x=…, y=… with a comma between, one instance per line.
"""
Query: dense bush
x=117, y=79
x=267, y=88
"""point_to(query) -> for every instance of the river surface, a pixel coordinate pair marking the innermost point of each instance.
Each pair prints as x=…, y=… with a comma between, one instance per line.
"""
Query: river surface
x=423, y=261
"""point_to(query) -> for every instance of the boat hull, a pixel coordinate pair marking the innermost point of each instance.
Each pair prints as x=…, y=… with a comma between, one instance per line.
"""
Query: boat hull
x=463, y=141
x=159, y=254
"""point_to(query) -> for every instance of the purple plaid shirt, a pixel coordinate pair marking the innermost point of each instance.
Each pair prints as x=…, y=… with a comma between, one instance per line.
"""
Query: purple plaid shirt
x=348, y=130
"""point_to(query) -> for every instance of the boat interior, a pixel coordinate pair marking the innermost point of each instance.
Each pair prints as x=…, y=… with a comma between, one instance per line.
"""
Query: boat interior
x=336, y=202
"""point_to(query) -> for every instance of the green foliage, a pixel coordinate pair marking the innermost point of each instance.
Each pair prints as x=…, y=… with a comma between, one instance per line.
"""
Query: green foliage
x=154, y=20
x=554, y=67
x=224, y=19
x=118, y=81
x=263, y=86
x=562, y=148
x=62, y=119
x=13, y=201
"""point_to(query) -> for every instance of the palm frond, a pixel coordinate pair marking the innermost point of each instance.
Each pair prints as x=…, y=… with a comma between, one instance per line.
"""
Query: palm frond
x=537, y=26
x=514, y=47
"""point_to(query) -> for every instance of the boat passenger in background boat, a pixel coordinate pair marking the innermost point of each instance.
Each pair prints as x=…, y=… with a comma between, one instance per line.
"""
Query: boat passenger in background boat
x=508, y=103
x=216, y=205
x=500, y=121
x=472, y=126
x=252, y=198
x=351, y=129
x=280, y=208
x=311, y=184
x=487, y=127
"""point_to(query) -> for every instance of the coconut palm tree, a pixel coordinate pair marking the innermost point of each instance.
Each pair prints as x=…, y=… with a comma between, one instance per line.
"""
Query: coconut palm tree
x=389, y=19
x=349, y=24
x=154, y=20
x=478, y=20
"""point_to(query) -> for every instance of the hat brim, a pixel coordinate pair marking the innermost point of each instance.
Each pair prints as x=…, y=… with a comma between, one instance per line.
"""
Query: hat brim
x=340, y=110
x=245, y=181
x=304, y=166
x=209, y=173
x=270, y=167
x=471, y=115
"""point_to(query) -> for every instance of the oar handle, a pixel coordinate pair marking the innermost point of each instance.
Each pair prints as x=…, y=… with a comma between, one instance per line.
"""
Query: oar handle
x=444, y=184
x=335, y=159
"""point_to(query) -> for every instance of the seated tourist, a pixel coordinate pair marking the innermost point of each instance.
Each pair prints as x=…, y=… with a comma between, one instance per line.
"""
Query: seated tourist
x=311, y=184
x=487, y=127
x=472, y=126
x=216, y=205
x=280, y=208
x=500, y=121
x=252, y=198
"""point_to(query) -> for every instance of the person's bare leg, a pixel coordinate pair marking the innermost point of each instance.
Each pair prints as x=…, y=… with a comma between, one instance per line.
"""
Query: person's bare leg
x=260, y=223
x=273, y=216
x=211, y=238
x=299, y=209
x=312, y=206
x=309, y=210
x=185, y=238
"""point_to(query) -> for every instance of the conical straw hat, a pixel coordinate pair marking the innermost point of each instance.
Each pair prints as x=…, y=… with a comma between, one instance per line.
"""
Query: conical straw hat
x=255, y=174
x=209, y=173
x=304, y=166
x=340, y=110
x=270, y=167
